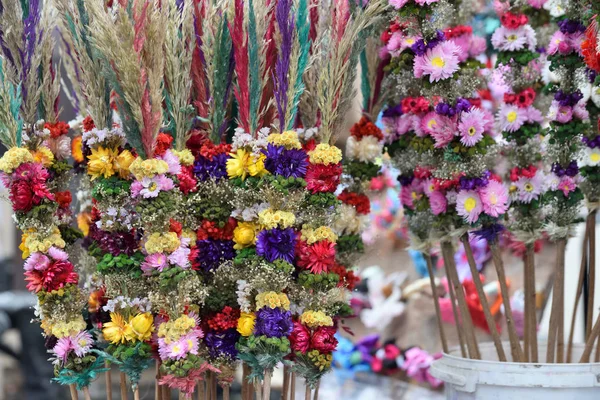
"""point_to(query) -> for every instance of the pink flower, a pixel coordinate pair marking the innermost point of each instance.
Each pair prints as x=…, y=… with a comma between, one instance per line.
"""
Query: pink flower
x=538, y=4
x=172, y=161
x=175, y=350
x=567, y=185
x=37, y=261
x=58, y=254
x=439, y=63
x=438, y=203
x=534, y=115
x=60, y=146
x=468, y=205
x=580, y=111
x=440, y=127
x=398, y=4
x=62, y=348
x=423, y=2
x=395, y=41
x=180, y=257
x=154, y=261
x=530, y=189
x=506, y=39
x=150, y=187
x=405, y=123
x=564, y=114
x=494, y=198
x=472, y=127
x=82, y=343
x=410, y=193
x=478, y=46
x=511, y=117
x=555, y=41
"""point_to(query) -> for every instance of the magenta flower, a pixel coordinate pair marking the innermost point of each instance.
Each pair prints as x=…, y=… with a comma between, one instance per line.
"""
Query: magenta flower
x=37, y=261
x=172, y=161
x=410, y=193
x=438, y=203
x=556, y=40
x=580, y=110
x=398, y=4
x=468, y=205
x=439, y=63
x=558, y=113
x=157, y=261
x=494, y=197
x=62, y=348
x=82, y=343
x=567, y=185
x=443, y=131
x=423, y=2
x=150, y=187
x=472, y=127
x=180, y=257
x=511, y=117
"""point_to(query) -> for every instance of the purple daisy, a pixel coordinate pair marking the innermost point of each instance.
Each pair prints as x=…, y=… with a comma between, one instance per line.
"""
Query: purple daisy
x=276, y=244
x=273, y=322
x=287, y=163
x=212, y=252
x=215, y=168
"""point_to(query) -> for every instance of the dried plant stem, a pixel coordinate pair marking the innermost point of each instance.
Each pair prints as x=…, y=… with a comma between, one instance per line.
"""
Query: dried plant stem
x=257, y=390
x=531, y=299
x=166, y=392
x=436, y=302
x=591, y=228
x=457, y=320
x=245, y=385
x=527, y=317
x=465, y=316
x=157, y=388
x=123, y=385
x=73, y=390
x=293, y=386
x=213, y=385
x=201, y=390
x=316, y=395
x=578, y=294
x=286, y=382
x=86, y=393
x=226, y=392
x=307, y=393
x=515, y=345
x=136, y=393
x=589, y=344
x=554, y=334
x=483, y=298
x=108, y=381
x=267, y=385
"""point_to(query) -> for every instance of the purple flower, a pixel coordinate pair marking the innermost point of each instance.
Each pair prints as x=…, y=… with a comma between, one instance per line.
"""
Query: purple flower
x=445, y=109
x=287, y=163
x=405, y=180
x=569, y=26
x=276, y=244
x=273, y=322
x=114, y=243
x=462, y=105
x=222, y=343
x=474, y=183
x=212, y=252
x=568, y=100
x=393, y=112
x=216, y=167
x=490, y=232
x=419, y=47
x=571, y=170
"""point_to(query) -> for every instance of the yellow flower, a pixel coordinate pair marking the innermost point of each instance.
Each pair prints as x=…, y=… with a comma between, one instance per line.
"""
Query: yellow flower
x=44, y=156
x=63, y=329
x=244, y=235
x=140, y=327
x=172, y=330
x=246, y=324
x=257, y=166
x=186, y=158
x=325, y=154
x=84, y=220
x=162, y=243
x=77, y=149
x=14, y=157
x=272, y=300
x=311, y=236
x=238, y=163
x=148, y=168
x=287, y=139
x=314, y=319
x=23, y=247
x=101, y=162
x=114, y=331
x=36, y=242
x=270, y=219
x=122, y=163
x=189, y=234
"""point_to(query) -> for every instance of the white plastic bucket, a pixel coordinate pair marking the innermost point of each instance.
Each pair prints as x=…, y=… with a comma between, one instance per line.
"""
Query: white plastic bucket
x=487, y=380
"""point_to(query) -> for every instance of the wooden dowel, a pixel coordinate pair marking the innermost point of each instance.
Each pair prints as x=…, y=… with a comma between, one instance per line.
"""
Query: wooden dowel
x=554, y=329
x=213, y=386
x=286, y=383
x=86, y=393
x=483, y=298
x=245, y=386
x=307, y=392
x=589, y=344
x=527, y=317
x=136, y=393
x=591, y=218
x=108, y=381
x=533, y=342
x=267, y=385
x=123, y=386
x=515, y=345
x=157, y=389
x=457, y=319
x=257, y=390
x=462, y=303
x=578, y=293
x=436, y=301
x=201, y=390
x=166, y=392
x=293, y=386
x=225, y=392
x=316, y=395
x=73, y=390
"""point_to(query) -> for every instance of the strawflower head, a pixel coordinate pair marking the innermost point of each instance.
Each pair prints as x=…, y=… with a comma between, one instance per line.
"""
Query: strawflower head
x=287, y=139
x=494, y=197
x=469, y=205
x=438, y=63
x=314, y=319
x=272, y=300
x=325, y=154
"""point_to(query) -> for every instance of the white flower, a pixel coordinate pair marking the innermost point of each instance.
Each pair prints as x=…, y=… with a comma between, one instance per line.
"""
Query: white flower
x=556, y=8
x=348, y=221
x=244, y=290
x=591, y=157
x=595, y=95
x=366, y=150
x=60, y=146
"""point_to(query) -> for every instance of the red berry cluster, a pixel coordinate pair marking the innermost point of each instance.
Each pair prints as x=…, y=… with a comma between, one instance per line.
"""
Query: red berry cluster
x=357, y=200
x=57, y=129
x=211, y=229
x=226, y=319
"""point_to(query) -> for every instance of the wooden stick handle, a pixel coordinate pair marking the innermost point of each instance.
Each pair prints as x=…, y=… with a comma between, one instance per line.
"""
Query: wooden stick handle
x=267, y=385
x=108, y=381
x=578, y=292
x=591, y=218
x=533, y=343
x=457, y=320
x=436, y=301
x=293, y=386
x=123, y=378
x=73, y=390
x=226, y=392
x=307, y=392
x=86, y=393
x=136, y=393
x=286, y=383
x=316, y=395
x=245, y=384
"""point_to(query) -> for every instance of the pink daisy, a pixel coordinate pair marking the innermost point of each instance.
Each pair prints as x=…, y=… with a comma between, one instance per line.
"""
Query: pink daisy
x=439, y=63
x=562, y=114
x=191, y=342
x=440, y=127
x=468, y=205
x=567, y=185
x=409, y=194
x=471, y=127
x=511, y=117
x=423, y=2
x=478, y=46
x=58, y=254
x=154, y=261
x=580, y=110
x=178, y=349
x=438, y=203
x=405, y=123
x=37, y=261
x=151, y=187
x=534, y=115
x=82, y=343
x=180, y=257
x=398, y=4
x=529, y=189
x=494, y=198
x=506, y=39
x=463, y=42
x=172, y=161
x=555, y=41
x=62, y=348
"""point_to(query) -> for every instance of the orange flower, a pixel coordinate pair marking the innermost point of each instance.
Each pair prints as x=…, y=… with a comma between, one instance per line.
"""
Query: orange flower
x=77, y=149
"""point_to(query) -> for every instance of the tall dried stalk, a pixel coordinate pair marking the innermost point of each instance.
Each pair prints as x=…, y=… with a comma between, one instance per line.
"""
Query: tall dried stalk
x=123, y=378
x=245, y=385
x=556, y=326
x=591, y=220
x=108, y=381
x=286, y=383
x=457, y=319
x=316, y=395
x=465, y=316
x=578, y=292
x=73, y=391
x=86, y=393
x=293, y=386
x=267, y=384
x=530, y=299
x=589, y=344
x=436, y=301
x=515, y=345
x=483, y=298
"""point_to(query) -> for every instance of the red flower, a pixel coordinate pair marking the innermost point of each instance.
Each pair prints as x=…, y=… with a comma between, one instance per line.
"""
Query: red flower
x=347, y=277
x=317, y=257
x=56, y=276
x=422, y=172
x=589, y=46
x=323, y=339
x=457, y=31
x=513, y=21
x=88, y=124
x=359, y=201
x=163, y=143
x=210, y=229
x=63, y=199
x=365, y=127
x=415, y=105
x=175, y=226
x=209, y=150
x=310, y=145
x=226, y=319
x=195, y=142
x=187, y=182
x=323, y=178
x=57, y=129
x=194, y=258
x=299, y=338
x=21, y=196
